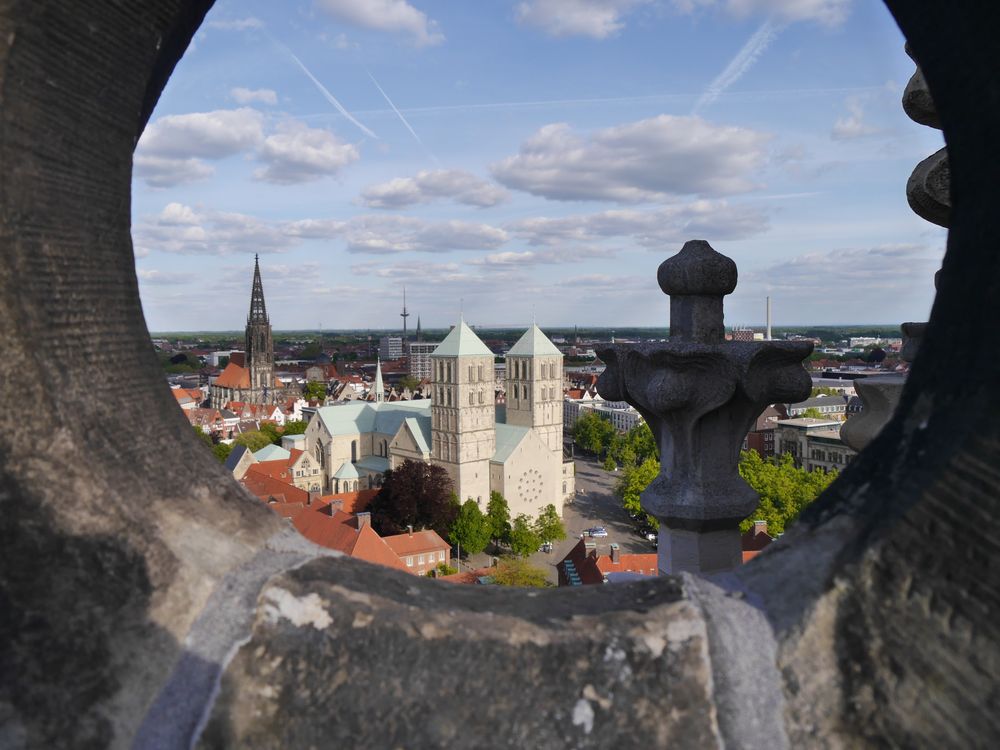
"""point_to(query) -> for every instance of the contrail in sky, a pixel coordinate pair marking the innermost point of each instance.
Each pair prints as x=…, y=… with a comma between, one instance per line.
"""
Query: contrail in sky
x=400, y=116
x=330, y=97
x=740, y=64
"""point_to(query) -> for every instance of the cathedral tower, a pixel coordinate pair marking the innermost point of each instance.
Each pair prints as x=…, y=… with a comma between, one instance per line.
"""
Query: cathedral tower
x=259, y=345
x=534, y=387
x=463, y=414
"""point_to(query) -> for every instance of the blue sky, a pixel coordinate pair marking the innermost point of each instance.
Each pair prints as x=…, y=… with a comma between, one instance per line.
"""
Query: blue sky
x=513, y=158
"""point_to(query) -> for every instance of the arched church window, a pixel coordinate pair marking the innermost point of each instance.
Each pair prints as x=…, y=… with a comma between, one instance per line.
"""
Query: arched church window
x=354, y=451
x=544, y=371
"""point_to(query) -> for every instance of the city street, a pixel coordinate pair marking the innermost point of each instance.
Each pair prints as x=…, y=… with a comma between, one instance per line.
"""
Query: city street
x=594, y=505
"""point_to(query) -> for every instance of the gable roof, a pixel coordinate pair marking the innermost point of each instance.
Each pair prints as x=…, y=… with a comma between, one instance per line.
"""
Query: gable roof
x=348, y=502
x=346, y=471
x=462, y=342
x=272, y=453
x=234, y=457
x=266, y=486
x=384, y=418
x=415, y=543
x=343, y=533
x=233, y=376
x=420, y=429
x=509, y=436
x=534, y=343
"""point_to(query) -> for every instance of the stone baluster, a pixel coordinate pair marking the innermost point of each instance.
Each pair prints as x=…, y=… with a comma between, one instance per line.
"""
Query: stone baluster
x=928, y=193
x=700, y=394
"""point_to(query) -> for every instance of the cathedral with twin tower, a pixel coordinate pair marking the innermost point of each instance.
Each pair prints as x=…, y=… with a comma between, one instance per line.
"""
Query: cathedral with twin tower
x=515, y=449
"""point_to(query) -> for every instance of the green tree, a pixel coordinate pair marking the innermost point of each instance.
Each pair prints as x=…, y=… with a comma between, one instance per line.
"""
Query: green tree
x=511, y=571
x=271, y=430
x=408, y=382
x=498, y=518
x=784, y=489
x=442, y=570
x=223, y=361
x=253, y=440
x=314, y=391
x=523, y=538
x=471, y=530
x=204, y=436
x=414, y=494
x=813, y=413
x=222, y=451
x=549, y=526
x=593, y=433
x=295, y=427
x=640, y=439
x=633, y=481
x=823, y=391
x=609, y=463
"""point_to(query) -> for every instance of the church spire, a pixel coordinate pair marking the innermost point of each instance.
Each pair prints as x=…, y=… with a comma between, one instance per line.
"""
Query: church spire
x=258, y=313
x=419, y=334
x=379, y=388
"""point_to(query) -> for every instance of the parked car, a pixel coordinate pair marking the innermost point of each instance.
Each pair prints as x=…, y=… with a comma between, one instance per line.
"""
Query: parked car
x=597, y=531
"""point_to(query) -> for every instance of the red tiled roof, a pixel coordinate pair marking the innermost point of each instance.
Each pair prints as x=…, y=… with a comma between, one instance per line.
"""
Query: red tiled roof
x=350, y=502
x=340, y=532
x=264, y=486
x=417, y=542
x=233, y=376
x=754, y=541
x=644, y=564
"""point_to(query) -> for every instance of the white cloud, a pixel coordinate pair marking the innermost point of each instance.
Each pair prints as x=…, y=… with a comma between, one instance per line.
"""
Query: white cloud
x=209, y=135
x=181, y=229
x=396, y=16
x=714, y=220
x=456, y=184
x=249, y=96
x=648, y=160
x=547, y=256
x=594, y=18
x=163, y=278
x=158, y=171
x=237, y=24
x=404, y=269
x=853, y=125
x=870, y=273
x=383, y=235
x=397, y=234
x=827, y=12
x=298, y=153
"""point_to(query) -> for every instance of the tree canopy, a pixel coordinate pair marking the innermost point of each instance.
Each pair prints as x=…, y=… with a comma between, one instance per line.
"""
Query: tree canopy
x=295, y=427
x=784, y=489
x=524, y=540
x=512, y=571
x=471, y=530
x=314, y=391
x=593, y=433
x=204, y=436
x=415, y=494
x=498, y=518
x=254, y=440
x=222, y=451
x=548, y=526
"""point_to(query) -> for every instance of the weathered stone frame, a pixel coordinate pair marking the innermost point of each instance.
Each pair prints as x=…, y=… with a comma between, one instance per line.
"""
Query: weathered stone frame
x=144, y=599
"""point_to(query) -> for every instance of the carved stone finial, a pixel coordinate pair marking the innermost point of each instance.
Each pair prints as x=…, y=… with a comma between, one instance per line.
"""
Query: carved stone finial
x=697, y=279
x=700, y=394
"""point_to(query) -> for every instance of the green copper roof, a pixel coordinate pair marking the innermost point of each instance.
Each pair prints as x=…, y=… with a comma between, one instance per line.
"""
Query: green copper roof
x=533, y=344
x=272, y=453
x=383, y=418
x=508, y=438
x=462, y=342
x=346, y=471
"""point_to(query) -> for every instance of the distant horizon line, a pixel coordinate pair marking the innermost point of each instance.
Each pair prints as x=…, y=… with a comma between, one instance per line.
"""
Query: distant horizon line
x=513, y=326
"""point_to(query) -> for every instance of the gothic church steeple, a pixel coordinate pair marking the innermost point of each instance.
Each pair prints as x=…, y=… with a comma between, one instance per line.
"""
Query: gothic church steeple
x=259, y=344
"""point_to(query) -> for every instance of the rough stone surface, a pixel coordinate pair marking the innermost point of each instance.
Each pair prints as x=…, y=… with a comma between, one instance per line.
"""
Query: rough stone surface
x=872, y=622
x=879, y=394
x=928, y=189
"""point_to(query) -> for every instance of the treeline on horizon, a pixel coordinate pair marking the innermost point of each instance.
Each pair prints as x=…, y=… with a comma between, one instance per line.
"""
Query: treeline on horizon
x=823, y=333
